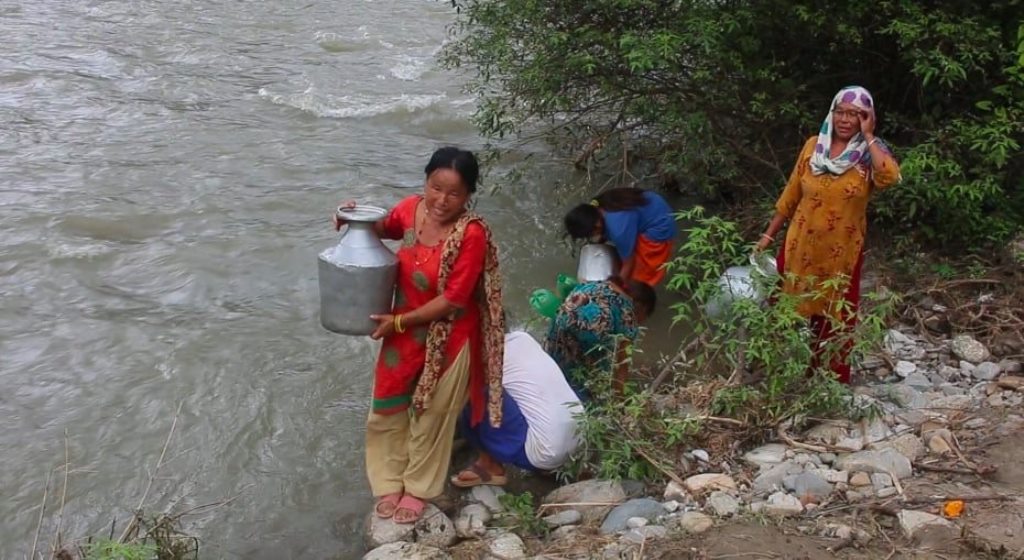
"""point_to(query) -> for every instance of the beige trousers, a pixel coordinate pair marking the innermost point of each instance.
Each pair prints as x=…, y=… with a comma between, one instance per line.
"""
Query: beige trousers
x=411, y=453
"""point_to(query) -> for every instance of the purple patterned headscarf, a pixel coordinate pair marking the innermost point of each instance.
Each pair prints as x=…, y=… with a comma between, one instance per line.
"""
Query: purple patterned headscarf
x=857, y=149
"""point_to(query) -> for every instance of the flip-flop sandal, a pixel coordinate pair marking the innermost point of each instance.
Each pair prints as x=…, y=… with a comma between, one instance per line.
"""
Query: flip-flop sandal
x=482, y=477
x=391, y=500
x=411, y=504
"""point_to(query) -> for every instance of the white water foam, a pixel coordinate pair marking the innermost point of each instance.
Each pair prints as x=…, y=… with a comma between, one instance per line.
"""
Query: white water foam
x=351, y=106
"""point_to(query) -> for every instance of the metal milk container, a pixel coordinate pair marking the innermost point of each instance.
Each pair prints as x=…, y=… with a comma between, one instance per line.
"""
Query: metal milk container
x=597, y=262
x=357, y=276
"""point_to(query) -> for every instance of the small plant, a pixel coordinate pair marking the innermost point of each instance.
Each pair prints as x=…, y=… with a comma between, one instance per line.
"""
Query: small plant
x=109, y=549
x=521, y=515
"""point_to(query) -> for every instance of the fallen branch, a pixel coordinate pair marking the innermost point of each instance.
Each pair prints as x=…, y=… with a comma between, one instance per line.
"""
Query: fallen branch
x=981, y=470
x=656, y=464
x=42, y=510
x=823, y=448
x=63, y=498
x=578, y=504
x=666, y=371
x=943, y=499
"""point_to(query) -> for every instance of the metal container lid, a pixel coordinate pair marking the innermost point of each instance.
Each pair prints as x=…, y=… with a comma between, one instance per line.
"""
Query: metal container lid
x=361, y=213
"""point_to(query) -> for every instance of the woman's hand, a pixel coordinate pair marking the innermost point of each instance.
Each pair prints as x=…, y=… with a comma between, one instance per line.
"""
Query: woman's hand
x=867, y=124
x=336, y=219
x=763, y=243
x=385, y=326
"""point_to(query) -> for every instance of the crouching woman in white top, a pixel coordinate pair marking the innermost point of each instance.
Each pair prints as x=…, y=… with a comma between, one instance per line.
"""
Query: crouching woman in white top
x=538, y=428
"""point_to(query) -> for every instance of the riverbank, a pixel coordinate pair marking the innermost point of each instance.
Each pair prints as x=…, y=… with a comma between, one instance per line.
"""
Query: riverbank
x=933, y=468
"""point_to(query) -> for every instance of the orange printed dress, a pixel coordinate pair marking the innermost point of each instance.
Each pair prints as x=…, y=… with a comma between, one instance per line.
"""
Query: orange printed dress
x=827, y=224
x=403, y=355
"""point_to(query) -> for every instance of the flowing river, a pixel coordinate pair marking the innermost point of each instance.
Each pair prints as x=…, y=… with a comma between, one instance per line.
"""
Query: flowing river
x=167, y=172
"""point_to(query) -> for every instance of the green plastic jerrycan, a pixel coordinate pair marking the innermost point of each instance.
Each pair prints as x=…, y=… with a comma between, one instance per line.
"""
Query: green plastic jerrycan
x=565, y=285
x=545, y=302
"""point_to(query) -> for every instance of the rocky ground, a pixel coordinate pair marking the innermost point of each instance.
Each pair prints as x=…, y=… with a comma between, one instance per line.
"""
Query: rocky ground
x=944, y=432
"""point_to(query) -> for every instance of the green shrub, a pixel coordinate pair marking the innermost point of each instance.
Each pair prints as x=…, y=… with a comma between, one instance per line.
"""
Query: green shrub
x=751, y=372
x=719, y=96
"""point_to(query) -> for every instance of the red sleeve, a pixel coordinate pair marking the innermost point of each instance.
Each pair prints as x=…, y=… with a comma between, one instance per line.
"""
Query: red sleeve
x=400, y=218
x=468, y=267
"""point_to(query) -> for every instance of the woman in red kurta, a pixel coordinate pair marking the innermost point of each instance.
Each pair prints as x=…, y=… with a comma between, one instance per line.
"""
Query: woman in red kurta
x=443, y=341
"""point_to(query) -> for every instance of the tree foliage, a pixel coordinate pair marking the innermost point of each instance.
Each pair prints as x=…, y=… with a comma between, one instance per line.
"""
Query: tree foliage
x=720, y=94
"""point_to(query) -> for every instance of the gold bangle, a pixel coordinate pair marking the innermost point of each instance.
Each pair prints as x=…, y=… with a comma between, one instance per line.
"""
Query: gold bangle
x=398, y=324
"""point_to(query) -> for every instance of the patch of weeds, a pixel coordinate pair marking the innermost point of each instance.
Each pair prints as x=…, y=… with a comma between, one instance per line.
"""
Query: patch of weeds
x=521, y=515
x=109, y=549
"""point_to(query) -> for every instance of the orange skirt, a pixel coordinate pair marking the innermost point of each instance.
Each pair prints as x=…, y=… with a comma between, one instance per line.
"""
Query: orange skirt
x=651, y=257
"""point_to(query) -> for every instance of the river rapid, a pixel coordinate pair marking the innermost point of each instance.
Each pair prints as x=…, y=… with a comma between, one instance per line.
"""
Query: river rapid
x=167, y=172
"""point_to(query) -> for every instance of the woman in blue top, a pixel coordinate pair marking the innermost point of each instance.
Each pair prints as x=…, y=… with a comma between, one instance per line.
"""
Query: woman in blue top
x=638, y=222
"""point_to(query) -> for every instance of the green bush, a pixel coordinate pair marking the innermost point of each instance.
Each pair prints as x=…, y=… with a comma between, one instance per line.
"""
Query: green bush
x=751, y=372
x=719, y=96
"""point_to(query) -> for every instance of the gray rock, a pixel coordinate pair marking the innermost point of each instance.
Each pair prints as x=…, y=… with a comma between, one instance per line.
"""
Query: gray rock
x=829, y=433
x=671, y=506
x=562, y=518
x=723, y=504
x=694, y=522
x=1010, y=366
x=905, y=368
x=435, y=529
x=887, y=492
x=908, y=445
x=877, y=430
x=472, y=521
x=987, y=371
x=929, y=530
x=406, y=551
x=772, y=478
x=806, y=459
x=829, y=475
x=618, y=551
x=884, y=461
x=948, y=372
x=766, y=455
x=907, y=396
x=675, y=492
x=975, y=423
x=966, y=368
x=564, y=532
x=919, y=380
x=949, y=389
x=506, y=546
x=707, y=482
x=895, y=339
x=881, y=480
x=966, y=348
x=828, y=458
x=640, y=507
x=807, y=486
x=379, y=532
x=645, y=533
x=636, y=522
x=701, y=455
x=600, y=491
x=488, y=495
x=952, y=402
x=783, y=505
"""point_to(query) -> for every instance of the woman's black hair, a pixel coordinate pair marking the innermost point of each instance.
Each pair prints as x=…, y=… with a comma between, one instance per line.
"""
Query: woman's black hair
x=643, y=295
x=582, y=219
x=462, y=161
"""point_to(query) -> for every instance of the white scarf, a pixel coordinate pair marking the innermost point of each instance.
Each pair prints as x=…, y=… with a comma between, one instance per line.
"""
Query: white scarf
x=856, y=150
